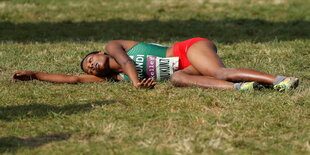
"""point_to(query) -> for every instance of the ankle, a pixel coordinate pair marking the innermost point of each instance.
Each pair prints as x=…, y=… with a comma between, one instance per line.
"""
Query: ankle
x=237, y=86
x=279, y=79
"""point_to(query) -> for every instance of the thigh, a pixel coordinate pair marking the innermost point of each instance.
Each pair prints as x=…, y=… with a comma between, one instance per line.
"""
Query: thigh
x=190, y=70
x=203, y=57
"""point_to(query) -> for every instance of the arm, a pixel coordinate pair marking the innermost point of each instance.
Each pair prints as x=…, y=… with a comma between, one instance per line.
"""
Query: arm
x=116, y=49
x=57, y=78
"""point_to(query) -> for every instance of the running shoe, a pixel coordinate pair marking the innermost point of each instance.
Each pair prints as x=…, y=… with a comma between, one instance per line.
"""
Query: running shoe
x=287, y=84
x=250, y=86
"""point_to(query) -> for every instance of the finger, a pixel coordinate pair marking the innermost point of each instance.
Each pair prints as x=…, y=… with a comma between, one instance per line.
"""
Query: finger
x=151, y=83
x=15, y=75
x=143, y=81
x=151, y=86
x=154, y=84
x=17, y=72
x=12, y=77
x=148, y=81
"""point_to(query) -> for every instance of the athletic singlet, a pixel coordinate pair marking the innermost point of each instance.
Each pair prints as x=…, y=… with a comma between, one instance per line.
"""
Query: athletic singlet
x=139, y=54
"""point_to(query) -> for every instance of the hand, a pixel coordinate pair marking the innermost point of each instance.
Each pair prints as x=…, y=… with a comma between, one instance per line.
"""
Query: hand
x=23, y=75
x=146, y=83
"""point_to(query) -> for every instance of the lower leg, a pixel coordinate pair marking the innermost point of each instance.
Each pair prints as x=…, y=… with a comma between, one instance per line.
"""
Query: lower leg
x=182, y=79
x=238, y=75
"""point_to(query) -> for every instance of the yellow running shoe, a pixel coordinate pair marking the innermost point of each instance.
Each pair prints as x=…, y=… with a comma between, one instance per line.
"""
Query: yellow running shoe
x=287, y=84
x=250, y=86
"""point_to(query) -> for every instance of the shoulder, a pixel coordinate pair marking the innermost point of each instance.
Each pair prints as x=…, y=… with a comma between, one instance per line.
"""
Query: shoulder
x=124, y=44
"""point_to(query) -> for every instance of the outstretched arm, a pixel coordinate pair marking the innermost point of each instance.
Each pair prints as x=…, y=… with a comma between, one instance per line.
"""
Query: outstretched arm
x=56, y=78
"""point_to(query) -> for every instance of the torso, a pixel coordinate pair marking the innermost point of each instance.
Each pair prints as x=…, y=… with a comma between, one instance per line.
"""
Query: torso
x=139, y=52
x=169, y=52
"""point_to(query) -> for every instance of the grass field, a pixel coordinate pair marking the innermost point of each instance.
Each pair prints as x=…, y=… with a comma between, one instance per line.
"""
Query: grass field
x=114, y=118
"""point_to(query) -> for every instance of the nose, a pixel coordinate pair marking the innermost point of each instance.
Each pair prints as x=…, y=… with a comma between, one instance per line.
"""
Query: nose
x=90, y=65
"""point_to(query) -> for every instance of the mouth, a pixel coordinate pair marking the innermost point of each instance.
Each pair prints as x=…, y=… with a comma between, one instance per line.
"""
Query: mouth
x=98, y=66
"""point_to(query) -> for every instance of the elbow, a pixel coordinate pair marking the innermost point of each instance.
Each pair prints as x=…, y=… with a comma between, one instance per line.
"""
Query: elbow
x=110, y=45
x=74, y=80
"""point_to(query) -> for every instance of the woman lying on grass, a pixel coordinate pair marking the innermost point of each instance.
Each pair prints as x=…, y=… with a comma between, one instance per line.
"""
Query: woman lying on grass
x=197, y=64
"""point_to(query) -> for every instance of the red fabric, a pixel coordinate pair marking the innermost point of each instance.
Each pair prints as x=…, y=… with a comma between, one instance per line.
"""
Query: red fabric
x=180, y=50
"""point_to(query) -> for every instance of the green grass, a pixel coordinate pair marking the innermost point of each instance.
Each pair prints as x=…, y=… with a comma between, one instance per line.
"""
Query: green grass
x=113, y=118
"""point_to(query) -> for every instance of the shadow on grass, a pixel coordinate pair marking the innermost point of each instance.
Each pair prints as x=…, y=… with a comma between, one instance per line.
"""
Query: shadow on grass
x=225, y=31
x=11, y=113
x=13, y=143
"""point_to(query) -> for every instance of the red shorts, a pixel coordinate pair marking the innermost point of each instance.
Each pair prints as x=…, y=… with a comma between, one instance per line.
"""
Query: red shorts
x=180, y=50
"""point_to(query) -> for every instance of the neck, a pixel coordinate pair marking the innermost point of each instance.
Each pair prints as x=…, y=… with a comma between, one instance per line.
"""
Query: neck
x=114, y=65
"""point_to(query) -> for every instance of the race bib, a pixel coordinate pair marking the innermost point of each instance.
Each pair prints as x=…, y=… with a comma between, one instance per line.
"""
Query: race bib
x=159, y=68
x=154, y=67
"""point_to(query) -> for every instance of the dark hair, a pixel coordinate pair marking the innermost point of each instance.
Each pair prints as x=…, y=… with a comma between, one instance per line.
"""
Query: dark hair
x=81, y=64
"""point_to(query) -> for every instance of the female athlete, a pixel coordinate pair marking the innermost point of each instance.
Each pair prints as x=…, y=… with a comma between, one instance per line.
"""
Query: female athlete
x=199, y=65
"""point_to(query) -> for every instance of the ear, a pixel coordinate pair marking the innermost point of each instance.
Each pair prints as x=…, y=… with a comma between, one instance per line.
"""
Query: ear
x=103, y=52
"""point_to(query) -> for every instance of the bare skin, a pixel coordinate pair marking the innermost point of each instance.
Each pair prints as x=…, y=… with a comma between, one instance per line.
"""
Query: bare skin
x=207, y=69
x=99, y=68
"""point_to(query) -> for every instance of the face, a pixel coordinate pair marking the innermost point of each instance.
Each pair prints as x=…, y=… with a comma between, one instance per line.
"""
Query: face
x=97, y=64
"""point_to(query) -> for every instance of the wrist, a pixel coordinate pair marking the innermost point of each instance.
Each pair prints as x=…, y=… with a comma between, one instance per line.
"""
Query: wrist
x=135, y=85
x=34, y=76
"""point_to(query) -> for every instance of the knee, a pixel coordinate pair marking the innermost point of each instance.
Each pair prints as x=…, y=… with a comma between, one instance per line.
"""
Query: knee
x=221, y=74
x=176, y=78
x=211, y=45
